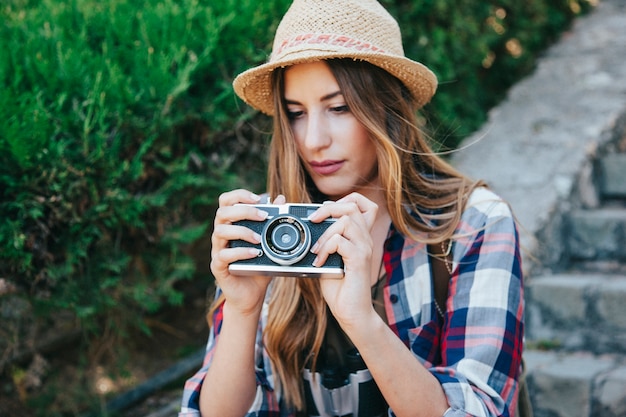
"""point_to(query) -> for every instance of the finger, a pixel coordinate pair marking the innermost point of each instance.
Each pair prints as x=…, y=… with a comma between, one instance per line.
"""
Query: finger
x=323, y=249
x=223, y=255
x=353, y=227
x=337, y=227
x=221, y=259
x=344, y=229
x=231, y=214
x=355, y=253
x=230, y=198
x=224, y=233
x=280, y=199
x=353, y=203
x=366, y=206
x=333, y=209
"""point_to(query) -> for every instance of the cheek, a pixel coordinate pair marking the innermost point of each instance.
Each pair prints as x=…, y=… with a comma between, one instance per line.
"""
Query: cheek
x=371, y=161
x=366, y=147
x=298, y=136
x=348, y=128
x=362, y=140
x=296, y=129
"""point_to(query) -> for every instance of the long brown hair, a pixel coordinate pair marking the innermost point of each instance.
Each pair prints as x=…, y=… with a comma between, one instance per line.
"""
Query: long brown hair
x=425, y=198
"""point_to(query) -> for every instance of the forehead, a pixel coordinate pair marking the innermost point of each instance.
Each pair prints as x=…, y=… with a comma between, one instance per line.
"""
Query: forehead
x=309, y=78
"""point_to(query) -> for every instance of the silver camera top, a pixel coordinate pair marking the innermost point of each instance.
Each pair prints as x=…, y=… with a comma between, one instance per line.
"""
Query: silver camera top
x=300, y=210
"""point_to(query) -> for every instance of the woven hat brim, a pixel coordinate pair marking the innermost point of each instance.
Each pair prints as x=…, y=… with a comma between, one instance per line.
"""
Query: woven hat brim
x=254, y=86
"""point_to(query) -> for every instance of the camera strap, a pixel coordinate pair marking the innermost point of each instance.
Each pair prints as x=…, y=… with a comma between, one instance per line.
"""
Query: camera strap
x=342, y=385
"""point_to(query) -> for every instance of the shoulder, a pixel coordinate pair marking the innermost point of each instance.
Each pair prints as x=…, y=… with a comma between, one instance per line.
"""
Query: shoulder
x=486, y=217
x=484, y=208
x=485, y=202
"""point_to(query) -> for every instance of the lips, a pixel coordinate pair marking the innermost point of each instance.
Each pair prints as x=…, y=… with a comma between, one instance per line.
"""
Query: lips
x=326, y=167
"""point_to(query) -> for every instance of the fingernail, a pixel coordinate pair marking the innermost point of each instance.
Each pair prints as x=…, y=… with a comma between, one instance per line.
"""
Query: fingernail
x=313, y=215
x=256, y=252
x=315, y=261
x=315, y=248
x=262, y=214
x=255, y=197
x=257, y=237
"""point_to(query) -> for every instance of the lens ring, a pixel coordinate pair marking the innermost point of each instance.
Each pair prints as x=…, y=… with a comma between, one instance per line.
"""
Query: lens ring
x=286, y=239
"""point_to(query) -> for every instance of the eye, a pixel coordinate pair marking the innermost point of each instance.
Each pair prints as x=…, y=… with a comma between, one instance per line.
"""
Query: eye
x=340, y=109
x=294, y=114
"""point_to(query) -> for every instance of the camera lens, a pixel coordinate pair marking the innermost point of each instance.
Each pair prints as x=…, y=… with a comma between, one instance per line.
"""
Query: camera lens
x=285, y=237
x=286, y=240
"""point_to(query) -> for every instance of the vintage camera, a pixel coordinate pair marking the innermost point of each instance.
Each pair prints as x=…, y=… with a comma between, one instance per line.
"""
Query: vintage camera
x=286, y=239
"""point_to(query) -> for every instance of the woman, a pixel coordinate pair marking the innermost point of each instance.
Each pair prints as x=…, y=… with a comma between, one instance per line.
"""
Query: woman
x=375, y=342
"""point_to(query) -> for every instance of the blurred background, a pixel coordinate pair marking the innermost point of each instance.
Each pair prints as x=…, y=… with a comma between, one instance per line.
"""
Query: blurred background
x=118, y=130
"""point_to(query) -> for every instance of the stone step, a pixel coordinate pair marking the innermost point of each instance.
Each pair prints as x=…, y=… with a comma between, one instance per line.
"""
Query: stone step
x=597, y=234
x=577, y=311
x=611, y=172
x=578, y=384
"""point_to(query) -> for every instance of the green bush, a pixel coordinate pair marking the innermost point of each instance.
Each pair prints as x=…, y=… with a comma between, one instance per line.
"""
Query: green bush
x=119, y=128
x=115, y=136
x=477, y=49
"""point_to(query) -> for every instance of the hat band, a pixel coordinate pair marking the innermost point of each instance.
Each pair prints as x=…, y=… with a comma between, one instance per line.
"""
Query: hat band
x=342, y=41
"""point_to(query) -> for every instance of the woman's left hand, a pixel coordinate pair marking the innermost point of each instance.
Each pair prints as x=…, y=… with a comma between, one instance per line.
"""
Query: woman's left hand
x=349, y=299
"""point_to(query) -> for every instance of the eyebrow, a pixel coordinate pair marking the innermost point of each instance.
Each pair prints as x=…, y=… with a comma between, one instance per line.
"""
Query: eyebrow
x=323, y=98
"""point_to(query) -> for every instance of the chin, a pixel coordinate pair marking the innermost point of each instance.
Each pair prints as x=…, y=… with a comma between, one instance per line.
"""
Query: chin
x=333, y=188
x=334, y=194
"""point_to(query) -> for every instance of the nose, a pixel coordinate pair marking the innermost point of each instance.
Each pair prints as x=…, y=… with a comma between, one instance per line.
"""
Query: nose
x=317, y=133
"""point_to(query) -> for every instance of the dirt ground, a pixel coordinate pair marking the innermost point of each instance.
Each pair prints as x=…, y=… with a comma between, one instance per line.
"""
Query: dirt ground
x=74, y=377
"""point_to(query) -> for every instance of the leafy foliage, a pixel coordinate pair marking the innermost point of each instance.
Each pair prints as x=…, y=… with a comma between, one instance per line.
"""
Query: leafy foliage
x=477, y=50
x=114, y=139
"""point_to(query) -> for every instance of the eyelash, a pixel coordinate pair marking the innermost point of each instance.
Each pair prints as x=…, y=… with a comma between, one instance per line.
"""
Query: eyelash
x=292, y=115
x=340, y=109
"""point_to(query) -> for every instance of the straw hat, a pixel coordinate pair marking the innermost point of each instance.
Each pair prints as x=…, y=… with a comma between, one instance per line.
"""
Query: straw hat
x=313, y=30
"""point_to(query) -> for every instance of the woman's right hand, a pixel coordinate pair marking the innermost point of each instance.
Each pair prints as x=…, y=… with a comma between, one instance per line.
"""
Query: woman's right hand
x=243, y=293
x=230, y=386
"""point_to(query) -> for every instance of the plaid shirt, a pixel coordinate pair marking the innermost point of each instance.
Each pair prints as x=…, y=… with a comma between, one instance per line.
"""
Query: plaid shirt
x=476, y=353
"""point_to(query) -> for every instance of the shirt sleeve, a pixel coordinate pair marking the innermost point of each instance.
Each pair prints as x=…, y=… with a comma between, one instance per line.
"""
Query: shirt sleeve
x=265, y=403
x=482, y=334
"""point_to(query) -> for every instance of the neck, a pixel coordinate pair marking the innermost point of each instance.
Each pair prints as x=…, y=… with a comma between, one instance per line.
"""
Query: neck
x=375, y=193
x=379, y=232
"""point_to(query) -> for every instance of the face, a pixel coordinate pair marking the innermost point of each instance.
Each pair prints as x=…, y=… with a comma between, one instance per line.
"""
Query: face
x=334, y=146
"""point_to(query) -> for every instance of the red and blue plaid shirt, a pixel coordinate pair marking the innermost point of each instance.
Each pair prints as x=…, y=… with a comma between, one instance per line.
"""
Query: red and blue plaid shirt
x=476, y=354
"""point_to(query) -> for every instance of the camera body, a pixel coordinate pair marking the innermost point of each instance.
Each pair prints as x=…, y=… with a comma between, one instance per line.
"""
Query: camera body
x=286, y=239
